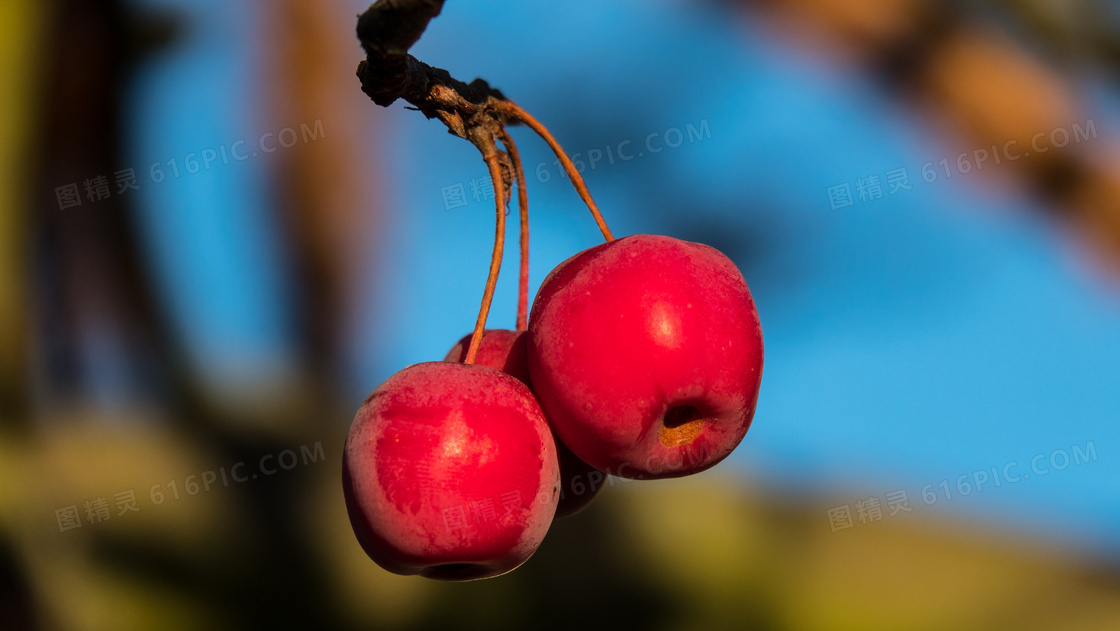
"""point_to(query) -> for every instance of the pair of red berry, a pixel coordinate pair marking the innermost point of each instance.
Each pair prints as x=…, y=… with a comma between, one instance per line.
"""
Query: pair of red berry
x=642, y=359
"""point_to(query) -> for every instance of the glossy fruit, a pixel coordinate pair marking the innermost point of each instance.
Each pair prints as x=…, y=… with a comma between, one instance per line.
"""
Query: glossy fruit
x=646, y=356
x=450, y=472
x=502, y=349
x=506, y=350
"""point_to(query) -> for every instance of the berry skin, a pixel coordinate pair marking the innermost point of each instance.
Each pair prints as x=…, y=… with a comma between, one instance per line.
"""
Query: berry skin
x=646, y=355
x=506, y=350
x=450, y=472
x=501, y=349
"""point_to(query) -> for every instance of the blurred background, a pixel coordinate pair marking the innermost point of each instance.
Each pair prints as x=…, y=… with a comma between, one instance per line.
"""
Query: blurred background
x=213, y=246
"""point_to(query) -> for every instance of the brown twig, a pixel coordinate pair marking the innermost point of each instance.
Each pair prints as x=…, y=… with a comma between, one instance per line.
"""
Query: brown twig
x=493, y=161
x=518, y=114
x=474, y=111
x=523, y=211
x=387, y=30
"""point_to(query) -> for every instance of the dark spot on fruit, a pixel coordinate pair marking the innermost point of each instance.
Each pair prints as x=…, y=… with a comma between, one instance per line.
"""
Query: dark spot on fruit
x=680, y=425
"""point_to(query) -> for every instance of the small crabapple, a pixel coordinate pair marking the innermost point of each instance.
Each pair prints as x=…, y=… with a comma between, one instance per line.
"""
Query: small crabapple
x=646, y=355
x=450, y=472
x=506, y=350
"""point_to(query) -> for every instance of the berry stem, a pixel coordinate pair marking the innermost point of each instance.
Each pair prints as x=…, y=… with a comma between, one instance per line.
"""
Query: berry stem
x=515, y=112
x=492, y=161
x=523, y=208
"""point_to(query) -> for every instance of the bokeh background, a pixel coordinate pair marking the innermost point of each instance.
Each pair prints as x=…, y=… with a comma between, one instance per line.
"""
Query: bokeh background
x=213, y=246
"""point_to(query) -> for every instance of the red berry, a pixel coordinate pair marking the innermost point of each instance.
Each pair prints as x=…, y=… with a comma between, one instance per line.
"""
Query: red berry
x=502, y=349
x=646, y=356
x=579, y=481
x=450, y=472
x=506, y=350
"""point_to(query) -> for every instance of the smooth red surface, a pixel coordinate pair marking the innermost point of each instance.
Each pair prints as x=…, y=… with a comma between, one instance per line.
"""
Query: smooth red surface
x=623, y=332
x=502, y=349
x=450, y=472
x=506, y=350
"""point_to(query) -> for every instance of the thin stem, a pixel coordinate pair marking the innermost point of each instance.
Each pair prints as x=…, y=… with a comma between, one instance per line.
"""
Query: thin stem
x=520, y=115
x=495, y=258
x=523, y=208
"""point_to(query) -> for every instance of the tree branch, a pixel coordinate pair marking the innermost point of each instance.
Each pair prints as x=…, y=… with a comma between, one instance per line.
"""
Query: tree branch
x=387, y=30
x=474, y=110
